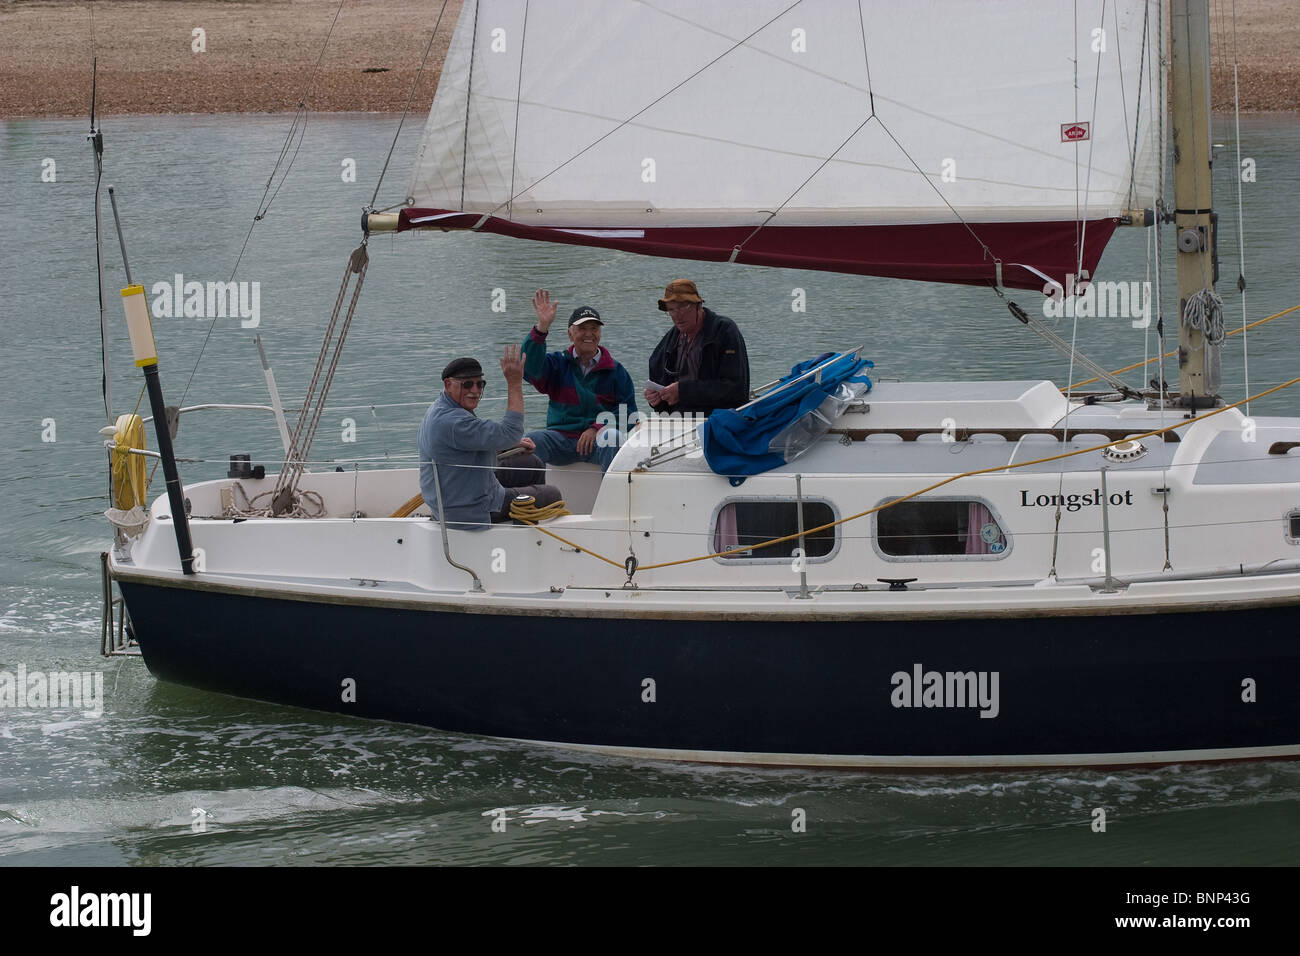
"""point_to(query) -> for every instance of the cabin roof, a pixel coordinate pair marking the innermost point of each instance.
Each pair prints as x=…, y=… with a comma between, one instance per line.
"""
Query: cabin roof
x=1027, y=404
x=941, y=428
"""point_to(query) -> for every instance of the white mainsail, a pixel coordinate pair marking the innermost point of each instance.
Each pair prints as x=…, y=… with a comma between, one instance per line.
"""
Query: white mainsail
x=633, y=121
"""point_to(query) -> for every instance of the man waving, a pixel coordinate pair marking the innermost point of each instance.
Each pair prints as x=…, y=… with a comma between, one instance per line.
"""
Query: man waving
x=582, y=381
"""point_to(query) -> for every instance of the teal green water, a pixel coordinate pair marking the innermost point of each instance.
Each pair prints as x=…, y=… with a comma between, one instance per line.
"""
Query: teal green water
x=279, y=785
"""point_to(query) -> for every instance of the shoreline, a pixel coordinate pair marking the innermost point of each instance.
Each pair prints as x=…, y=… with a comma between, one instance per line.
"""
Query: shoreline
x=259, y=56
x=218, y=56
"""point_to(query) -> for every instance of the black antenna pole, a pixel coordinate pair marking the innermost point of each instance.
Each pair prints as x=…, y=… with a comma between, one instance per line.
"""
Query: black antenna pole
x=146, y=356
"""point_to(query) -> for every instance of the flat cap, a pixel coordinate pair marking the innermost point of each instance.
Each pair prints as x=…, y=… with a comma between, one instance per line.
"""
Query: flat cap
x=463, y=368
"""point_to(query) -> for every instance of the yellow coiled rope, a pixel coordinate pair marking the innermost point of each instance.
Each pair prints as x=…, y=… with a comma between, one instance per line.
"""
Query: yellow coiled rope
x=130, y=485
x=523, y=511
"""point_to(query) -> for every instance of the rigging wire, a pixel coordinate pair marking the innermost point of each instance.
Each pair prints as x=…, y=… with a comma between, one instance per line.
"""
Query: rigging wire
x=97, y=148
x=1123, y=97
x=1241, y=233
x=1223, y=35
x=1137, y=109
x=871, y=102
x=1158, y=76
x=401, y=462
x=1173, y=352
x=286, y=497
x=1081, y=214
x=519, y=85
x=469, y=89
x=97, y=145
x=264, y=205
x=407, y=108
x=1074, y=60
x=776, y=212
x=735, y=46
x=1146, y=278
x=1079, y=236
x=866, y=60
x=1162, y=158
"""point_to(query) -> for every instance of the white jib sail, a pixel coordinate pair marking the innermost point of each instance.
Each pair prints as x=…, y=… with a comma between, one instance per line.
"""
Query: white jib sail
x=616, y=113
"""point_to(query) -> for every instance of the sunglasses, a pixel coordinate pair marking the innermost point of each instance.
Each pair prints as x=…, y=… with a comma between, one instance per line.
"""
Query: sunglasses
x=480, y=384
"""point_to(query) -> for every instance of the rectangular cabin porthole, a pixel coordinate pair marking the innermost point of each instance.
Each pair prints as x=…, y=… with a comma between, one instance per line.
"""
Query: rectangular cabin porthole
x=1293, y=527
x=940, y=529
x=741, y=523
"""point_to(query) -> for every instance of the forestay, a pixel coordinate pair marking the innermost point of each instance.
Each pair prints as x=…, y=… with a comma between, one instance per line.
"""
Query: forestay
x=924, y=140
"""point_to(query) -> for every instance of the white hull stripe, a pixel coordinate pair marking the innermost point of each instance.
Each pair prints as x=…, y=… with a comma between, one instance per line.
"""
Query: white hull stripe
x=890, y=761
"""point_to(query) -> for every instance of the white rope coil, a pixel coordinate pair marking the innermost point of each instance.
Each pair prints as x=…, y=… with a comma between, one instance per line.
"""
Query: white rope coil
x=1204, y=313
x=306, y=504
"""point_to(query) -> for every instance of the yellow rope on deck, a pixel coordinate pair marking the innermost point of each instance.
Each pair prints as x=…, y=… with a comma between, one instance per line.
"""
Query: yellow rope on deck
x=528, y=512
x=524, y=512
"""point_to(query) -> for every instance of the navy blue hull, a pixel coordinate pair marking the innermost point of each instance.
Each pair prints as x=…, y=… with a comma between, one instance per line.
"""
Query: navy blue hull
x=1065, y=685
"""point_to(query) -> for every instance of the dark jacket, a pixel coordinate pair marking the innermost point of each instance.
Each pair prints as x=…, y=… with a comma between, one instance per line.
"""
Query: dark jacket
x=724, y=367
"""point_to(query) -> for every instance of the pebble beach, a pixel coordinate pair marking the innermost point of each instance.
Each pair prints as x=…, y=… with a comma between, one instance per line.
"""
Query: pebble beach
x=265, y=56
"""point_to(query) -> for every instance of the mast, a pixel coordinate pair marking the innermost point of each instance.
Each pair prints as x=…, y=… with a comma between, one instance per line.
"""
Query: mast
x=1198, y=360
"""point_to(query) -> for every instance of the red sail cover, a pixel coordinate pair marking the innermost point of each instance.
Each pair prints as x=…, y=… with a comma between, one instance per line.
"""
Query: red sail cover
x=929, y=252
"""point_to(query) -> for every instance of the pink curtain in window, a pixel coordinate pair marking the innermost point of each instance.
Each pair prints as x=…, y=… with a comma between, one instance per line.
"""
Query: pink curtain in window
x=724, y=536
x=977, y=516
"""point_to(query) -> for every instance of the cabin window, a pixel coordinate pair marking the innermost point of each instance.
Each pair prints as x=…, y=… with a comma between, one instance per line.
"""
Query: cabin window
x=1293, y=527
x=946, y=528
x=741, y=524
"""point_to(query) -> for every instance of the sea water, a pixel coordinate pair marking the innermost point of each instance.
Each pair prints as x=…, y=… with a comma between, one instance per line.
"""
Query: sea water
x=167, y=775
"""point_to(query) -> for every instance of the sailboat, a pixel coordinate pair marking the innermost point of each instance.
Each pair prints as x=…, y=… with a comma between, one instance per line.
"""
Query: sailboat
x=852, y=601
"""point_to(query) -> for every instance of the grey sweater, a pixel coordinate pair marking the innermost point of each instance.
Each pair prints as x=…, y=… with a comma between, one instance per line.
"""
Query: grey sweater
x=455, y=437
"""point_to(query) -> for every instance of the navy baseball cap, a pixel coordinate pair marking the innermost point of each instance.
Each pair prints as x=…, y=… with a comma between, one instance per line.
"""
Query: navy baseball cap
x=584, y=313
